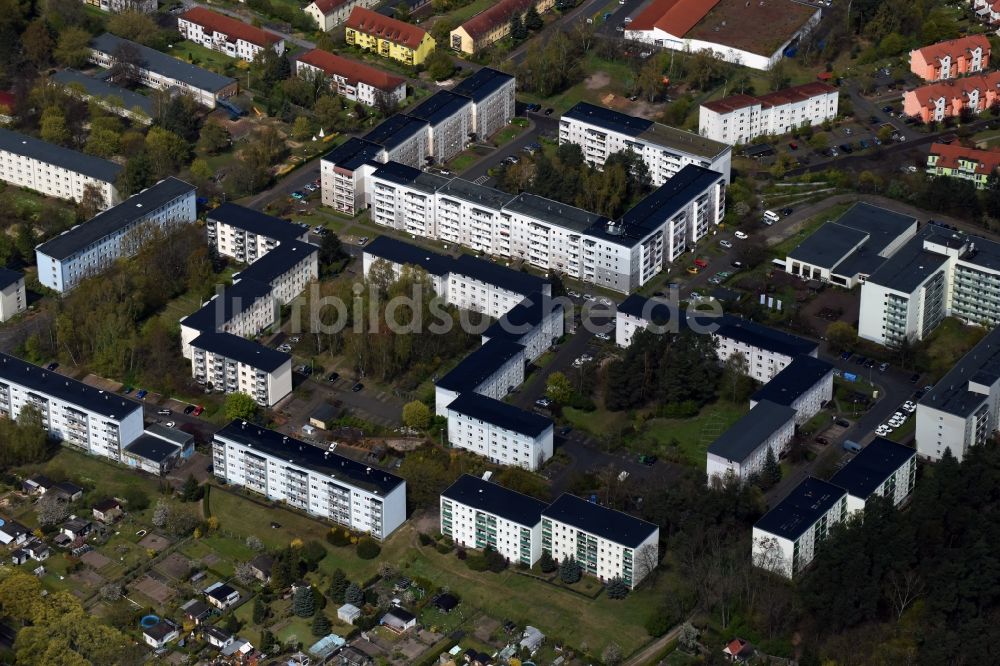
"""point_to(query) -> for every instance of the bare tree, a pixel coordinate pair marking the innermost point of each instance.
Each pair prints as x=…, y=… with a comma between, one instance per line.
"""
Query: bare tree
x=902, y=589
x=244, y=573
x=126, y=61
x=91, y=202
x=51, y=510
x=646, y=562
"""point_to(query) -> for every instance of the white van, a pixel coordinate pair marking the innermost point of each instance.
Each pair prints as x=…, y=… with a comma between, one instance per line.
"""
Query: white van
x=771, y=217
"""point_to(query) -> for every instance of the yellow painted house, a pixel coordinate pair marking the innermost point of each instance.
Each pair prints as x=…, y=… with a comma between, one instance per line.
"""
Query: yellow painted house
x=388, y=37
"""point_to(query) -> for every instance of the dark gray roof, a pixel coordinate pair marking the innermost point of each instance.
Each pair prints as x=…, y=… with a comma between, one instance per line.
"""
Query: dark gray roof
x=493, y=498
x=912, y=263
x=337, y=467
x=233, y=300
x=256, y=222
x=810, y=500
x=872, y=466
x=152, y=448
x=615, y=526
x=553, y=212
x=475, y=368
x=402, y=174
x=101, y=88
x=479, y=195
x=398, y=252
x=645, y=308
x=353, y=153
x=63, y=388
x=165, y=65
x=242, y=350
x=981, y=364
x=9, y=277
x=829, y=245
x=797, y=378
x=500, y=414
x=439, y=107
x=613, y=121
x=113, y=220
x=764, y=337
x=495, y=274
x=523, y=317
x=482, y=84
x=220, y=591
x=396, y=130
x=751, y=430
x=160, y=630
x=278, y=261
x=50, y=153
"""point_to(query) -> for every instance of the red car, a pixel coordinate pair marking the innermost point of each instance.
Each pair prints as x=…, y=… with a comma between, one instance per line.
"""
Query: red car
x=198, y=410
x=700, y=263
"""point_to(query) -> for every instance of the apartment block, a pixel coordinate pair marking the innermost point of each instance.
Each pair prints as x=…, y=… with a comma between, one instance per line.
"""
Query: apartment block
x=246, y=234
x=492, y=95
x=957, y=161
x=352, y=80
x=231, y=364
x=787, y=538
x=404, y=198
x=499, y=431
x=13, y=299
x=309, y=478
x=637, y=313
x=119, y=6
x=492, y=370
x=666, y=150
x=951, y=58
x=227, y=35
x=945, y=99
x=403, y=139
x=244, y=309
x=537, y=323
x=881, y=469
x=492, y=24
x=387, y=37
x=55, y=171
x=962, y=409
x=78, y=415
x=741, y=451
x=743, y=118
x=449, y=120
x=162, y=72
x=606, y=543
x=767, y=351
x=90, y=248
x=328, y=14
x=805, y=385
x=485, y=287
x=398, y=255
x=287, y=269
x=343, y=172
x=477, y=513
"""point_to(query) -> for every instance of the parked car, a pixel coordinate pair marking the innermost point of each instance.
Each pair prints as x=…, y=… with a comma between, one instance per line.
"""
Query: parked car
x=843, y=423
x=565, y=430
x=189, y=409
x=357, y=387
x=362, y=240
x=693, y=270
x=142, y=394
x=860, y=360
x=742, y=235
x=846, y=355
x=549, y=111
x=164, y=412
x=332, y=377
x=170, y=424
x=883, y=367
x=647, y=460
x=543, y=402
x=725, y=243
x=198, y=410
x=51, y=366
x=822, y=440
x=915, y=377
x=701, y=263
x=127, y=390
x=736, y=264
x=602, y=336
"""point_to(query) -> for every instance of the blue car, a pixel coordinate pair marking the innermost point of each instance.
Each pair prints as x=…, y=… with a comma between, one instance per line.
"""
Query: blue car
x=846, y=355
x=141, y=394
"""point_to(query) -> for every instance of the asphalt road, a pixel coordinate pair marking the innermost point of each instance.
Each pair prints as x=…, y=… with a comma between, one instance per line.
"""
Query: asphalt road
x=540, y=125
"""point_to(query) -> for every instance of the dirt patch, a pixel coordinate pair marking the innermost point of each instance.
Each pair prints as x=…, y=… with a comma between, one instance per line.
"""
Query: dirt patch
x=408, y=444
x=175, y=566
x=597, y=81
x=95, y=560
x=154, y=542
x=829, y=306
x=485, y=628
x=88, y=577
x=102, y=383
x=154, y=589
x=428, y=522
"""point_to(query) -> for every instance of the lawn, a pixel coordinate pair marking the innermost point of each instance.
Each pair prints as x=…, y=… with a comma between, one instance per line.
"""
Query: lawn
x=904, y=433
x=106, y=477
x=506, y=135
x=948, y=343
x=692, y=436
x=463, y=161
x=197, y=54
x=599, y=423
x=463, y=14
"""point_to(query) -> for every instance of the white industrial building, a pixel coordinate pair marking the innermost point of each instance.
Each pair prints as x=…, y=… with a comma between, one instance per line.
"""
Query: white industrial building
x=962, y=408
x=740, y=452
x=311, y=479
x=606, y=543
x=537, y=322
x=158, y=450
x=493, y=370
x=743, y=118
x=90, y=248
x=55, y=171
x=78, y=415
x=767, y=351
x=246, y=234
x=805, y=385
x=227, y=35
x=881, y=469
x=13, y=298
x=477, y=513
x=786, y=538
x=499, y=431
x=666, y=150
x=233, y=364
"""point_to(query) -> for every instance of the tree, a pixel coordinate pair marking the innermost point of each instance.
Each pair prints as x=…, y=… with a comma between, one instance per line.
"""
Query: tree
x=439, y=65
x=331, y=251
x=517, y=30
x=612, y=654
x=532, y=21
x=302, y=129
x=191, y=490
x=240, y=406
x=570, y=571
x=736, y=378
x=338, y=586
x=167, y=151
x=259, y=610
x=303, y=601
x=137, y=175
x=354, y=595
x=558, y=389
x=214, y=138
x=416, y=415
x=771, y=471
x=91, y=202
x=244, y=573
x=616, y=588
x=320, y=625
x=368, y=549
x=688, y=638
x=37, y=42
x=73, y=47
x=161, y=514
x=267, y=641
x=53, y=126
x=841, y=335
x=135, y=499
x=546, y=563
x=201, y=172
x=135, y=26
x=254, y=543
x=126, y=61
x=51, y=510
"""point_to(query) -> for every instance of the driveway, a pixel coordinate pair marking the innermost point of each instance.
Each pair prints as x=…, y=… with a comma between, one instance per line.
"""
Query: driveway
x=540, y=124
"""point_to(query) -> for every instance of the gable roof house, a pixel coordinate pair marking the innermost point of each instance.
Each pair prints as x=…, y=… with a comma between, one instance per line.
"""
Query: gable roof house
x=328, y=14
x=221, y=596
x=492, y=24
x=951, y=58
x=388, y=37
x=107, y=511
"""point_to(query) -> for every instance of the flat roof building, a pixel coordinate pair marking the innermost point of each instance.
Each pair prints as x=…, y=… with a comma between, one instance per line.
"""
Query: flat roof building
x=741, y=451
x=118, y=100
x=805, y=385
x=883, y=468
x=505, y=434
x=237, y=365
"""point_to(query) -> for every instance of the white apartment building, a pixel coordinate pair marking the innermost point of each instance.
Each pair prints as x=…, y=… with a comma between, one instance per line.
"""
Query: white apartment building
x=501, y=432
x=288, y=269
x=246, y=234
x=315, y=480
x=13, y=299
x=471, y=215
x=398, y=254
x=449, y=119
x=767, y=351
x=403, y=139
x=119, y=6
x=72, y=412
x=404, y=198
x=55, y=171
x=741, y=451
x=883, y=469
x=743, y=118
x=351, y=79
x=537, y=323
x=636, y=313
x=227, y=35
x=666, y=150
x=786, y=538
x=492, y=95
x=477, y=513
x=493, y=290
x=236, y=365
x=606, y=543
x=328, y=14
x=493, y=370
x=162, y=72
x=343, y=174
x=90, y=248
x=962, y=409
x=244, y=309
x=805, y=385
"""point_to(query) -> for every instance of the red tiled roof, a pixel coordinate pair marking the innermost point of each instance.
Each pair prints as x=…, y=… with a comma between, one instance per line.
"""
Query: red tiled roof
x=675, y=17
x=776, y=98
x=328, y=6
x=372, y=23
x=949, y=155
x=955, y=87
x=229, y=26
x=351, y=70
x=954, y=47
x=487, y=20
